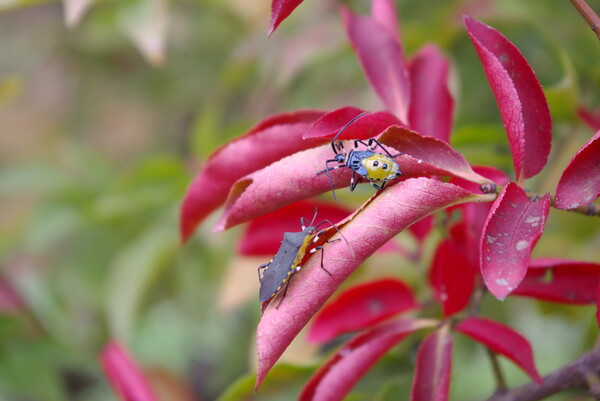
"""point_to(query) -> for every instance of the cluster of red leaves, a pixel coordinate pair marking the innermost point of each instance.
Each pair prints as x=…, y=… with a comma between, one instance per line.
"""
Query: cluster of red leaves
x=272, y=172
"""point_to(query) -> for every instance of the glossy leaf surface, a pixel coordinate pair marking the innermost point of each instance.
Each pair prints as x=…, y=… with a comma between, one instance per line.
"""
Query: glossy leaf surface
x=125, y=377
x=452, y=277
x=579, y=184
x=521, y=101
x=433, y=367
x=558, y=280
x=342, y=371
x=270, y=140
x=511, y=231
x=263, y=234
x=431, y=105
x=381, y=58
x=502, y=340
x=360, y=307
x=372, y=226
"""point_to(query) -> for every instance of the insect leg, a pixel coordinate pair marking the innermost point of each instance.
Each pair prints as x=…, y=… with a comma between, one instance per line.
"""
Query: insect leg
x=336, y=229
x=354, y=183
x=327, y=170
x=263, y=267
x=378, y=144
x=287, y=284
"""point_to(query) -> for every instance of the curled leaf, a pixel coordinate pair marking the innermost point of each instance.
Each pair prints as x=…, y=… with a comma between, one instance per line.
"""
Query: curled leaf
x=558, y=280
x=432, y=151
x=280, y=10
x=125, y=377
x=271, y=188
x=380, y=55
x=511, y=231
x=433, y=367
x=431, y=105
x=270, y=140
x=386, y=215
x=579, y=184
x=263, y=234
x=366, y=126
x=502, y=340
x=344, y=369
x=360, y=307
x=523, y=106
x=452, y=277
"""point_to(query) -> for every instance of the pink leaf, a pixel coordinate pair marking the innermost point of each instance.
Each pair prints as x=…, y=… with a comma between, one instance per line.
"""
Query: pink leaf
x=344, y=369
x=431, y=105
x=591, y=118
x=502, y=340
x=387, y=214
x=523, y=106
x=280, y=10
x=433, y=367
x=295, y=178
x=511, y=231
x=557, y=280
x=263, y=234
x=452, y=277
x=433, y=151
x=367, y=126
x=270, y=140
x=126, y=378
x=384, y=12
x=360, y=307
x=380, y=55
x=579, y=184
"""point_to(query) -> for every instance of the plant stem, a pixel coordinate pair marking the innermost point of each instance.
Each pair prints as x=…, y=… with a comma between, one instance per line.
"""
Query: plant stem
x=500, y=382
x=588, y=14
x=574, y=375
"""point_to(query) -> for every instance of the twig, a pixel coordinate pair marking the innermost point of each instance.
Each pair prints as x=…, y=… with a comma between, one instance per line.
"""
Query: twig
x=571, y=376
x=498, y=374
x=588, y=14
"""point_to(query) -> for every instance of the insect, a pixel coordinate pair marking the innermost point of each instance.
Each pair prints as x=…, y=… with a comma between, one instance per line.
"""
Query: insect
x=377, y=168
x=295, y=249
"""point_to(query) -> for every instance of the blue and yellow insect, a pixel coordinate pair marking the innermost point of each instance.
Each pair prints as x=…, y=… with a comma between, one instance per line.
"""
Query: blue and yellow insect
x=295, y=249
x=376, y=168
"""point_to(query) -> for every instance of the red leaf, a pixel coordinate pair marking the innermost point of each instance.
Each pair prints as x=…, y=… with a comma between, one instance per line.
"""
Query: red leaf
x=380, y=55
x=294, y=178
x=360, y=307
x=432, y=151
x=557, y=280
x=511, y=231
x=502, y=340
x=452, y=277
x=280, y=10
x=263, y=234
x=591, y=118
x=579, y=184
x=598, y=305
x=125, y=377
x=366, y=126
x=261, y=146
x=344, y=369
x=387, y=214
x=433, y=367
x=523, y=106
x=431, y=105
x=421, y=228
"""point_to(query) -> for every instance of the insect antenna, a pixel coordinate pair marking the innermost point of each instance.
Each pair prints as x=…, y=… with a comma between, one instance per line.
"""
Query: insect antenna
x=343, y=128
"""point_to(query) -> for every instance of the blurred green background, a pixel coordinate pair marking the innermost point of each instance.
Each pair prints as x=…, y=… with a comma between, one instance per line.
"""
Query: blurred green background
x=108, y=108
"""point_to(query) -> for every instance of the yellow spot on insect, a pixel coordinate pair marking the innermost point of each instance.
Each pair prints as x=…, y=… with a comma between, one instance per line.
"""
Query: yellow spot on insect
x=380, y=167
